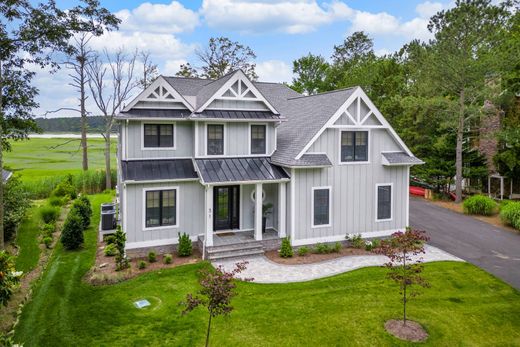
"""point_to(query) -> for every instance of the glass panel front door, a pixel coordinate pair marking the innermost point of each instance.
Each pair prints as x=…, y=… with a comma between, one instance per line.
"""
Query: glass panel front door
x=226, y=203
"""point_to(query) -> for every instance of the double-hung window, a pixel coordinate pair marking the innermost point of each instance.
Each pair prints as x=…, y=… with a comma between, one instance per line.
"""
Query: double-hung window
x=258, y=139
x=321, y=206
x=158, y=135
x=161, y=208
x=215, y=139
x=354, y=146
x=384, y=202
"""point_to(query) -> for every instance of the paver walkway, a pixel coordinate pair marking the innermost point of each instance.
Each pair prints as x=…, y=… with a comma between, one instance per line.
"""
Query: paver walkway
x=262, y=270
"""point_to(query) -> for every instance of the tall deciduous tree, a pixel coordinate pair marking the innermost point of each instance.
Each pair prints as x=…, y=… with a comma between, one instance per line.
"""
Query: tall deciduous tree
x=33, y=34
x=355, y=47
x=310, y=74
x=186, y=70
x=77, y=63
x=222, y=56
x=150, y=70
x=462, y=63
x=111, y=82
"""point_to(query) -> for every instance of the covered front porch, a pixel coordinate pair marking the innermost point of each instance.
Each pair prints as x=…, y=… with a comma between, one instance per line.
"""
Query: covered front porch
x=243, y=198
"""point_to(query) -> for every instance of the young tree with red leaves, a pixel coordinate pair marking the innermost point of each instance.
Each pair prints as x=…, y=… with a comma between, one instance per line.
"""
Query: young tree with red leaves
x=217, y=291
x=402, y=268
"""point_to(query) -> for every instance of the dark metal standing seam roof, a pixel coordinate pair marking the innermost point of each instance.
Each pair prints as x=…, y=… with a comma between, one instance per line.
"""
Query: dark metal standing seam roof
x=221, y=170
x=225, y=114
x=158, y=169
x=155, y=113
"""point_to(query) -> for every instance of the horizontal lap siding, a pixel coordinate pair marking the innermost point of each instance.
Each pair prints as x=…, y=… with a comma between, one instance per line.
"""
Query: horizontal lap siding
x=353, y=189
x=191, y=212
x=183, y=141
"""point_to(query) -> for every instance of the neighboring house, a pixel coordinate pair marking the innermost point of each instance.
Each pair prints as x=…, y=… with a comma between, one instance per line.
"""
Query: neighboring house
x=195, y=154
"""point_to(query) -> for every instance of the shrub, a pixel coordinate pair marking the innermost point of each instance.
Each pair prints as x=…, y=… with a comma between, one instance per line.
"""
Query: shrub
x=72, y=233
x=168, y=258
x=47, y=241
x=152, y=257
x=376, y=243
x=83, y=208
x=510, y=214
x=65, y=188
x=185, y=247
x=48, y=229
x=120, y=240
x=110, y=239
x=110, y=250
x=356, y=241
x=322, y=248
x=8, y=279
x=480, y=204
x=49, y=214
x=337, y=247
x=141, y=265
x=286, y=251
x=57, y=201
x=16, y=202
x=303, y=251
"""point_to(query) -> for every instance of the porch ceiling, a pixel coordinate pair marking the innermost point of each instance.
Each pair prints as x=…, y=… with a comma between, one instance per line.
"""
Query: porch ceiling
x=221, y=170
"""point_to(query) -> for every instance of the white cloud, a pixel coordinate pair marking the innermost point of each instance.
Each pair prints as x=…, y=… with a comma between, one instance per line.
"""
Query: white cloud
x=171, y=67
x=274, y=71
x=289, y=16
x=428, y=9
x=159, y=18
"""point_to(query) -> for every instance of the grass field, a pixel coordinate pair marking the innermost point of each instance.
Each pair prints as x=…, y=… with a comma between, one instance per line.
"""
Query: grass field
x=37, y=158
x=27, y=239
x=465, y=306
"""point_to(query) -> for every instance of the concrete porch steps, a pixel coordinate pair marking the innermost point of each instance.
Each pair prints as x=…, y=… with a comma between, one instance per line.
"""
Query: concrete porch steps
x=237, y=250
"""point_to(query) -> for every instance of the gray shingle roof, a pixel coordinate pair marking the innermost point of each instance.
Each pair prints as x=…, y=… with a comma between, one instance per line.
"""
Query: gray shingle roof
x=219, y=170
x=6, y=175
x=207, y=91
x=401, y=158
x=158, y=169
x=187, y=86
x=154, y=113
x=306, y=115
x=224, y=114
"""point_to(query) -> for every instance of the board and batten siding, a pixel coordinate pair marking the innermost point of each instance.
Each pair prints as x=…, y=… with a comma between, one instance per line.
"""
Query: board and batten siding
x=353, y=193
x=247, y=206
x=190, y=220
x=183, y=141
x=236, y=137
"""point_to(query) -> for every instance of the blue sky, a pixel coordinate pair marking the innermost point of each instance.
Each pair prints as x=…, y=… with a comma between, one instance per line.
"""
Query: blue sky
x=278, y=31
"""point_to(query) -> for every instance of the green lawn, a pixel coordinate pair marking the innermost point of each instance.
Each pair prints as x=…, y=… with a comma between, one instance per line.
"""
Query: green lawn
x=27, y=240
x=37, y=157
x=465, y=306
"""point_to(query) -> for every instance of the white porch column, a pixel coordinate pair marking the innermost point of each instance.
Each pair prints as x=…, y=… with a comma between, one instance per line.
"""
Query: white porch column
x=209, y=216
x=258, y=211
x=282, y=208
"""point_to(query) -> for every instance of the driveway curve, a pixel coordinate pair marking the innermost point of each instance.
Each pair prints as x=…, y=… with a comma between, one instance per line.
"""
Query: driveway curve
x=494, y=249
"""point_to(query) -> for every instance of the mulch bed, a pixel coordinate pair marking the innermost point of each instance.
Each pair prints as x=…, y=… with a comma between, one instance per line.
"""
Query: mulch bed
x=314, y=257
x=412, y=331
x=104, y=271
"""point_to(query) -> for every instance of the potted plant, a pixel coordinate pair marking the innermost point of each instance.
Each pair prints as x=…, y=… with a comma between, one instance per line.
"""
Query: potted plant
x=266, y=211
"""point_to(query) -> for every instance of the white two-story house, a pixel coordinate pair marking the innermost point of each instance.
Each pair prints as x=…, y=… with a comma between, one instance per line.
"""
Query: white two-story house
x=209, y=157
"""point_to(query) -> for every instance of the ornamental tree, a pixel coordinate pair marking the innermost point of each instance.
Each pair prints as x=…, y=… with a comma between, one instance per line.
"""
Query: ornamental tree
x=216, y=293
x=405, y=264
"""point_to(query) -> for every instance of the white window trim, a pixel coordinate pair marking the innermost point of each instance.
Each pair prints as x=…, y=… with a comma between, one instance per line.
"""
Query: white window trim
x=177, y=216
x=369, y=137
x=329, y=188
x=224, y=127
x=174, y=134
x=391, y=201
x=249, y=139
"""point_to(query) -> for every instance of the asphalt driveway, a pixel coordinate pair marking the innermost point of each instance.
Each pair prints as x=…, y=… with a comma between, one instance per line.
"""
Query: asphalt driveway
x=494, y=249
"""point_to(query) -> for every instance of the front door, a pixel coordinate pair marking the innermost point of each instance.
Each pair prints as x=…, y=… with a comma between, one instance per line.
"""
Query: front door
x=227, y=207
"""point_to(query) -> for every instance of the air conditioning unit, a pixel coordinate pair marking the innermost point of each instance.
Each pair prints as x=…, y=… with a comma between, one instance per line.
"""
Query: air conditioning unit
x=108, y=219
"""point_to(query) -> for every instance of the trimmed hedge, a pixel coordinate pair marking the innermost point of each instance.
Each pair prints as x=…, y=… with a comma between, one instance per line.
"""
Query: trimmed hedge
x=510, y=214
x=72, y=233
x=480, y=204
x=84, y=209
x=49, y=214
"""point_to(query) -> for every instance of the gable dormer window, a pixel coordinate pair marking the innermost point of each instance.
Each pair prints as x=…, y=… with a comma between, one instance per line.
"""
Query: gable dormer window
x=215, y=139
x=158, y=136
x=258, y=143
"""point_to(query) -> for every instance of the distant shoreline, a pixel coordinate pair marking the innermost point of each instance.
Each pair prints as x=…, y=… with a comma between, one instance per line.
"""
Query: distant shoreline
x=67, y=136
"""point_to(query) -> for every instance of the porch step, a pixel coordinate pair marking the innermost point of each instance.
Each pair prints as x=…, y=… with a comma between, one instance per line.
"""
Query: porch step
x=237, y=250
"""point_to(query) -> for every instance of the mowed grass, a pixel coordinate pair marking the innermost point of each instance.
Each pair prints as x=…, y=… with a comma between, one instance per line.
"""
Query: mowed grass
x=465, y=306
x=27, y=239
x=36, y=158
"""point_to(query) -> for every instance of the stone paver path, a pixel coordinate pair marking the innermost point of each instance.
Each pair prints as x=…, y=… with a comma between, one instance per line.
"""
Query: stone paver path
x=262, y=270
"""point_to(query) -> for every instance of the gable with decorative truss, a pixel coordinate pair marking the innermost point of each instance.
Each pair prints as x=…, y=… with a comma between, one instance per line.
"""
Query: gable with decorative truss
x=159, y=94
x=358, y=114
x=238, y=93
